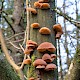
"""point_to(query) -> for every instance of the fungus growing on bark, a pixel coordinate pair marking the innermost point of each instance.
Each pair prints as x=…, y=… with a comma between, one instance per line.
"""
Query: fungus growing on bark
x=35, y=25
x=46, y=57
x=45, y=6
x=39, y=63
x=30, y=42
x=31, y=78
x=46, y=46
x=28, y=51
x=32, y=10
x=50, y=67
x=27, y=61
x=37, y=4
x=40, y=67
x=45, y=30
x=43, y=1
x=58, y=30
x=53, y=56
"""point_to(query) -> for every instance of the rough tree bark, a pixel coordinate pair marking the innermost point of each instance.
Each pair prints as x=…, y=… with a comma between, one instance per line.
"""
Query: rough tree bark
x=44, y=18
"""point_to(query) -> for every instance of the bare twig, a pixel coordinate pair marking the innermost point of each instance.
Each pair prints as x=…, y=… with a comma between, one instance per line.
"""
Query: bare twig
x=14, y=45
x=71, y=20
x=9, y=23
x=26, y=38
x=16, y=41
x=21, y=47
x=15, y=35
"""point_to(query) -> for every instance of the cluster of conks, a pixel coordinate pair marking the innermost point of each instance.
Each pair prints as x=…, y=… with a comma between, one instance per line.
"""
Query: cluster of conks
x=30, y=46
x=41, y=5
x=58, y=30
x=46, y=61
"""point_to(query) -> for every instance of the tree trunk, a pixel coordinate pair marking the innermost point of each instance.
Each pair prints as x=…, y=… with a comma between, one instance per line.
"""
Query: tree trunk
x=74, y=69
x=6, y=71
x=46, y=18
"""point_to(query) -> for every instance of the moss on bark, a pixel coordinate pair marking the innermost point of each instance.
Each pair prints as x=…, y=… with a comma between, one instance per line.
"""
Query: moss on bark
x=74, y=72
x=6, y=71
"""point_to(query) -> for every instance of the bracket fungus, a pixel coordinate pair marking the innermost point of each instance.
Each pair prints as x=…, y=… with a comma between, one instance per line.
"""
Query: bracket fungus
x=45, y=6
x=37, y=4
x=45, y=30
x=31, y=78
x=53, y=56
x=27, y=51
x=39, y=63
x=47, y=58
x=32, y=10
x=35, y=25
x=58, y=30
x=27, y=61
x=30, y=43
x=46, y=46
x=50, y=67
x=43, y=1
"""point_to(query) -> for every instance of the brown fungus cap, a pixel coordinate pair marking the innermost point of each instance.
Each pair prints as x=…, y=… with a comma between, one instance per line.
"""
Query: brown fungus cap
x=58, y=30
x=46, y=46
x=50, y=67
x=40, y=67
x=27, y=61
x=45, y=6
x=30, y=46
x=37, y=4
x=46, y=57
x=32, y=10
x=35, y=25
x=30, y=42
x=53, y=56
x=31, y=78
x=38, y=62
x=45, y=30
x=28, y=51
x=43, y=1
x=58, y=35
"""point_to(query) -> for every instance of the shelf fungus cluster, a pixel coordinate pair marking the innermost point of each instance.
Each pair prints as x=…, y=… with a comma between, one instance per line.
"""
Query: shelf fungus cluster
x=58, y=30
x=47, y=49
x=30, y=47
x=42, y=4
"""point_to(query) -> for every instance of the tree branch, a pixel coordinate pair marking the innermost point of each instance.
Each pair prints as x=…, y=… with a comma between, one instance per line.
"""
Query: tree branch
x=71, y=20
x=9, y=23
x=8, y=57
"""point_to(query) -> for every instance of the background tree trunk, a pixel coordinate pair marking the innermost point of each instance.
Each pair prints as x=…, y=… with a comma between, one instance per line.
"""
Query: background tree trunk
x=74, y=70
